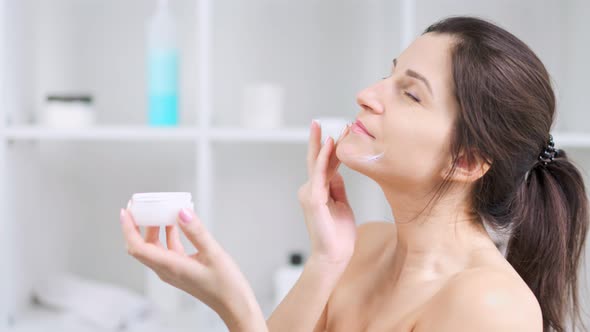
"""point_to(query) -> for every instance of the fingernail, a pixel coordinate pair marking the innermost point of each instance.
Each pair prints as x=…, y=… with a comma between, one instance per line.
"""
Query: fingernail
x=122, y=215
x=316, y=121
x=185, y=215
x=128, y=204
x=343, y=129
x=326, y=140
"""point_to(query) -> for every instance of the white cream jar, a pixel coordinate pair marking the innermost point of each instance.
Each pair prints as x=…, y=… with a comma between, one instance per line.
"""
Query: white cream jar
x=159, y=209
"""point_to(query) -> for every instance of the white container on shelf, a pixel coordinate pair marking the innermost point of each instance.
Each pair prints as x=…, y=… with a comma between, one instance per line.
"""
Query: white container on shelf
x=262, y=106
x=69, y=111
x=286, y=276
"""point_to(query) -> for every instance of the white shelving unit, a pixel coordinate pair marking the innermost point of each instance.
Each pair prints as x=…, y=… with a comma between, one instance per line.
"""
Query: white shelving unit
x=206, y=139
x=13, y=303
x=25, y=142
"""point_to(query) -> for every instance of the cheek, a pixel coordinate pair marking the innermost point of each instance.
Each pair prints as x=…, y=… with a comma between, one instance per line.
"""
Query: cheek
x=415, y=147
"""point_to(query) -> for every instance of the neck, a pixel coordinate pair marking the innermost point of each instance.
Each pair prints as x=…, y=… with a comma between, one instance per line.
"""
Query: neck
x=438, y=242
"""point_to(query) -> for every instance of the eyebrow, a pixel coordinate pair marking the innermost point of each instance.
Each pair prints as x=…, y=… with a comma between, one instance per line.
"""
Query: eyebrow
x=415, y=75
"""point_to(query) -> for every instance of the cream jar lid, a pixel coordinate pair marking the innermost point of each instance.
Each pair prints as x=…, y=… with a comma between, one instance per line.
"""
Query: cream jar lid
x=161, y=197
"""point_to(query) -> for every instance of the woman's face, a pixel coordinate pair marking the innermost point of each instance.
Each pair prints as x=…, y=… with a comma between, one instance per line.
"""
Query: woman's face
x=409, y=116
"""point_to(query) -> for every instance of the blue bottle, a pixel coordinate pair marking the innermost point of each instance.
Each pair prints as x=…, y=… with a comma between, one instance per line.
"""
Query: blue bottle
x=162, y=68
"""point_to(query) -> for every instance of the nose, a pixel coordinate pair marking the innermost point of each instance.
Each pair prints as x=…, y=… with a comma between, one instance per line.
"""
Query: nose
x=369, y=99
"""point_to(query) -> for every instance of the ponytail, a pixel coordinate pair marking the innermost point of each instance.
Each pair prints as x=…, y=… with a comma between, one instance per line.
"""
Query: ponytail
x=549, y=229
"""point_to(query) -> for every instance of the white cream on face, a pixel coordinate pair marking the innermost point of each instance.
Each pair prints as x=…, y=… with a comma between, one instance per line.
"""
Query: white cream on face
x=376, y=157
x=364, y=158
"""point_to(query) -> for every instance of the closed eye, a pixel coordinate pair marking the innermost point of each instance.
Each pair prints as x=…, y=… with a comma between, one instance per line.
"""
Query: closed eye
x=414, y=98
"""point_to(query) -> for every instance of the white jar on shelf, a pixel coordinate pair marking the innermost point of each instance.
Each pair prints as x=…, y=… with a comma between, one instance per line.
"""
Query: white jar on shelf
x=262, y=106
x=69, y=111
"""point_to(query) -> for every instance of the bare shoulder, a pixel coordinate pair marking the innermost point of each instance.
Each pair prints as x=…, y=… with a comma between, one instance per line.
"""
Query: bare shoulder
x=483, y=299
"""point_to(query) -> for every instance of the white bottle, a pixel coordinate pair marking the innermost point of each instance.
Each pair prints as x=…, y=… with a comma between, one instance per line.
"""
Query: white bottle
x=286, y=277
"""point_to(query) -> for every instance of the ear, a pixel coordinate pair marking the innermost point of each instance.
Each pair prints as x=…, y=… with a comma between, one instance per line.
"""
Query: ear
x=468, y=172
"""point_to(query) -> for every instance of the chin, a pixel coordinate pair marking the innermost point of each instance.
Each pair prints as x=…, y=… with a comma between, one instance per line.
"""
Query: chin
x=346, y=153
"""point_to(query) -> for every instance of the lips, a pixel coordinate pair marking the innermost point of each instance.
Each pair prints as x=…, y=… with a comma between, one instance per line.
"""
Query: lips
x=359, y=126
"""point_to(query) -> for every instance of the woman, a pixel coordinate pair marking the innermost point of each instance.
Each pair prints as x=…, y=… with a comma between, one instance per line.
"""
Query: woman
x=461, y=131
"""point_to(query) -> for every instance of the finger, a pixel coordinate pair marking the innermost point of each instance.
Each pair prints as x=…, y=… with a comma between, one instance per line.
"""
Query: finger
x=196, y=233
x=318, y=180
x=148, y=254
x=173, y=239
x=314, y=145
x=338, y=189
x=332, y=168
x=136, y=245
x=152, y=235
x=128, y=210
x=334, y=162
x=130, y=231
x=343, y=134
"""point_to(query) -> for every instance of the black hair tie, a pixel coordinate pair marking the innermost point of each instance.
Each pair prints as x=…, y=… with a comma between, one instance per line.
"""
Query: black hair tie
x=549, y=152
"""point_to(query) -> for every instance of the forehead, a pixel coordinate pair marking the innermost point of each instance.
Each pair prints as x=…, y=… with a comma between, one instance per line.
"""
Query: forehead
x=430, y=56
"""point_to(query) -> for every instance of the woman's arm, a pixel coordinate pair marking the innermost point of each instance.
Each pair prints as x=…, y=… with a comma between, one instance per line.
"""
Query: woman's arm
x=209, y=275
x=304, y=304
x=212, y=276
x=330, y=223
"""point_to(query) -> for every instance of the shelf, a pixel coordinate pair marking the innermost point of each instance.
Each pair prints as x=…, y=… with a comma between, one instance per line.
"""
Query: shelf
x=289, y=135
x=106, y=133
x=571, y=139
x=143, y=133
x=229, y=134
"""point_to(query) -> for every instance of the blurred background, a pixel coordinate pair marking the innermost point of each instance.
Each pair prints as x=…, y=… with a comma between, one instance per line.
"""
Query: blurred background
x=85, y=122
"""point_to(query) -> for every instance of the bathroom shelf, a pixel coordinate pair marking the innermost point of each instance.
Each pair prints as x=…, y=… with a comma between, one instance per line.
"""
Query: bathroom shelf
x=107, y=133
x=219, y=134
x=289, y=135
x=143, y=133
x=571, y=139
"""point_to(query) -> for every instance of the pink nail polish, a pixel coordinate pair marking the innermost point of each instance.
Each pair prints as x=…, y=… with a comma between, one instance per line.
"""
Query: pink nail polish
x=343, y=129
x=185, y=216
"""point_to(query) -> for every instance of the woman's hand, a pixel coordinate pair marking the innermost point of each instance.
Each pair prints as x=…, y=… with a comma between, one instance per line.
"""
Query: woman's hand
x=329, y=219
x=210, y=275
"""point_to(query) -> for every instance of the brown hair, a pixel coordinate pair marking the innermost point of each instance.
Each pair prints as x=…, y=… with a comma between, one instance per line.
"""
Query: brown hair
x=507, y=106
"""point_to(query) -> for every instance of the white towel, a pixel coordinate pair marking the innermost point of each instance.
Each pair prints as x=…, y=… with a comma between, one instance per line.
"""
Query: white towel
x=105, y=305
